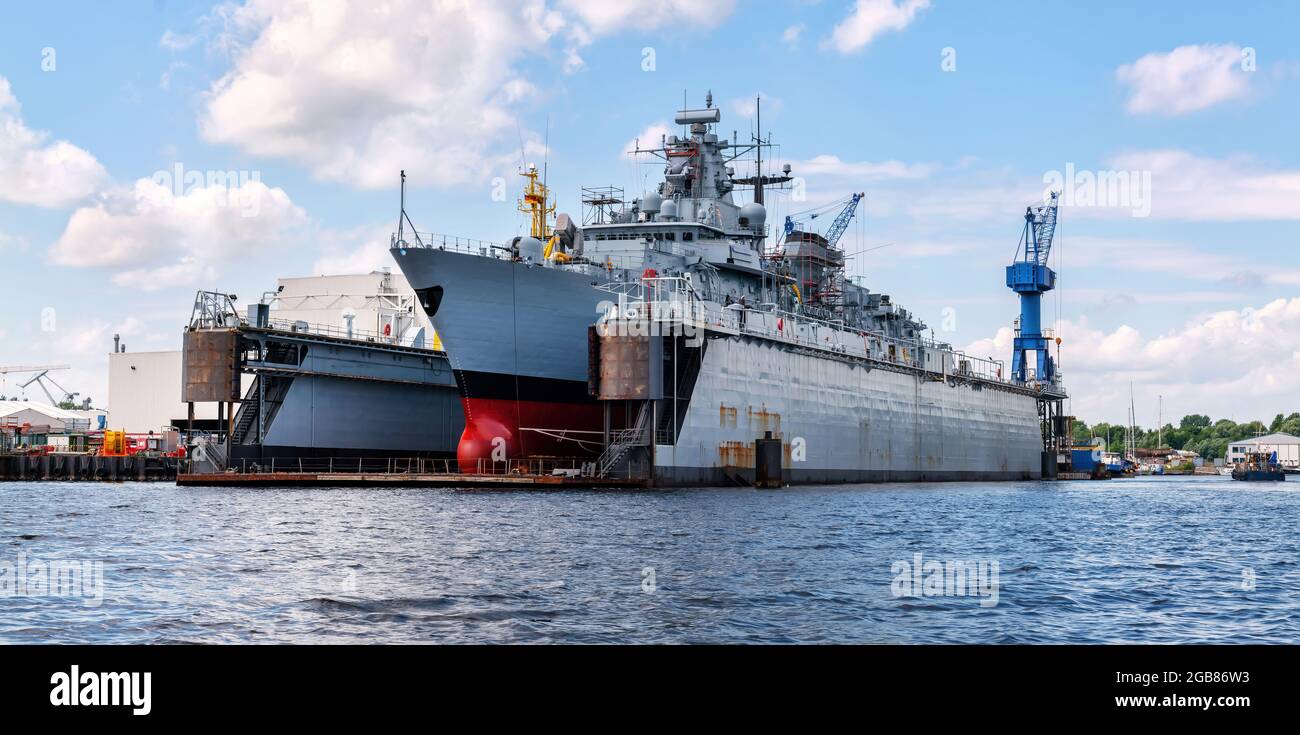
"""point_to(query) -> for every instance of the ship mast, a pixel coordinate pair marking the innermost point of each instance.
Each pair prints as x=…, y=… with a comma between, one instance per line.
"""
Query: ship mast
x=758, y=122
x=536, y=204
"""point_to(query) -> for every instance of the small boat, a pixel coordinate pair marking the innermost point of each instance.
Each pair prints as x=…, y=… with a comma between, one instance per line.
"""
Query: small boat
x=1259, y=467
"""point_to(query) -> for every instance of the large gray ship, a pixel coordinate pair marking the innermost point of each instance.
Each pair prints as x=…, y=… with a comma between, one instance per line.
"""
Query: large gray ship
x=745, y=342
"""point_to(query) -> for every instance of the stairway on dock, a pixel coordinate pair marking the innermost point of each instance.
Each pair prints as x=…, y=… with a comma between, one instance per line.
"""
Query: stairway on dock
x=622, y=442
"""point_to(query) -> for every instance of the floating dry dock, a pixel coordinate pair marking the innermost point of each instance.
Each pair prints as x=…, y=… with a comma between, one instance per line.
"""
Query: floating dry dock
x=362, y=472
x=401, y=479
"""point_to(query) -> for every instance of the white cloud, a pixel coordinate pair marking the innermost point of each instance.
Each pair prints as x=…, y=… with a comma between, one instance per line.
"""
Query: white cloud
x=1242, y=364
x=172, y=239
x=871, y=18
x=173, y=41
x=1185, y=186
x=1184, y=80
x=93, y=339
x=36, y=171
x=603, y=17
x=12, y=242
x=792, y=34
x=1166, y=185
x=746, y=107
x=358, y=91
x=832, y=167
x=1176, y=258
x=649, y=138
x=371, y=255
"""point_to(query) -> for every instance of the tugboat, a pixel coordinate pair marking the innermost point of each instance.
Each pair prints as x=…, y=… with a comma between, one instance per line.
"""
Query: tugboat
x=1259, y=467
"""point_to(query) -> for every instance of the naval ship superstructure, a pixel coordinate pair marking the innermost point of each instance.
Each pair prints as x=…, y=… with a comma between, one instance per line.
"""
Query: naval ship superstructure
x=663, y=333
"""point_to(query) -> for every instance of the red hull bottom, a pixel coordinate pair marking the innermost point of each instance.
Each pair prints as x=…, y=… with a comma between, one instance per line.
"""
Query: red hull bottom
x=497, y=430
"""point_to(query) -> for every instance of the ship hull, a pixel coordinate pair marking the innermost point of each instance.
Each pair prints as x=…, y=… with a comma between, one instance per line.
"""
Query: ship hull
x=516, y=338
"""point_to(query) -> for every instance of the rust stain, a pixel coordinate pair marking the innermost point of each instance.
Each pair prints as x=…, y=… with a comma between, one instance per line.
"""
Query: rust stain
x=726, y=416
x=762, y=420
x=736, y=454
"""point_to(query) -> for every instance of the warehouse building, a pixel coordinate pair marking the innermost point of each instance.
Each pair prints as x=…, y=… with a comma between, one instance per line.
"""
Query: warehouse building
x=1286, y=446
x=17, y=413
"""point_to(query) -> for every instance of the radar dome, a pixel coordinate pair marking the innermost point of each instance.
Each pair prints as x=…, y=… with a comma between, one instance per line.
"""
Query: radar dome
x=753, y=215
x=668, y=210
x=651, y=203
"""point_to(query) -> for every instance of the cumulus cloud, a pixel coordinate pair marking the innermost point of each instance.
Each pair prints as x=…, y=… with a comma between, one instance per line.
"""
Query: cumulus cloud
x=1178, y=259
x=832, y=166
x=747, y=107
x=358, y=91
x=790, y=36
x=1242, y=363
x=649, y=138
x=35, y=170
x=871, y=18
x=602, y=17
x=1186, y=186
x=178, y=237
x=371, y=255
x=1184, y=80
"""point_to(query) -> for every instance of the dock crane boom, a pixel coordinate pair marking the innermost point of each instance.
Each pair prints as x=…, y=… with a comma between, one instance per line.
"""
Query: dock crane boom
x=40, y=377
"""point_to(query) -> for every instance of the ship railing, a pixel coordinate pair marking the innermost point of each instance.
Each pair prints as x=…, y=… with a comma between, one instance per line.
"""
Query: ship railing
x=329, y=330
x=453, y=243
x=674, y=300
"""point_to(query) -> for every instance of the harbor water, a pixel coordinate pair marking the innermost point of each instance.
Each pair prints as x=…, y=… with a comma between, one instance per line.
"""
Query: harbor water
x=1159, y=560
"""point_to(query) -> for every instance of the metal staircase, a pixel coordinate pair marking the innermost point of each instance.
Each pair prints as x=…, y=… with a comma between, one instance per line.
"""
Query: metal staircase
x=621, y=442
x=245, y=431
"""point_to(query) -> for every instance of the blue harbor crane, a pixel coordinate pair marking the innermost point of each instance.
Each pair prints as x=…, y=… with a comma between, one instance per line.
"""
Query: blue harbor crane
x=1030, y=277
x=837, y=227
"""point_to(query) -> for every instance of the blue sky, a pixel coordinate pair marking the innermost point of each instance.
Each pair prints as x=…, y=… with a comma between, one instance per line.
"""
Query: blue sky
x=948, y=114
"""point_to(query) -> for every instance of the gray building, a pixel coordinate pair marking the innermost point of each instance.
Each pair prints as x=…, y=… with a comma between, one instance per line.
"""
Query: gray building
x=1286, y=446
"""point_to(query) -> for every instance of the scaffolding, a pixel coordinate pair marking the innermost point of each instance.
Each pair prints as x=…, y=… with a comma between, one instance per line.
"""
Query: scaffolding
x=602, y=205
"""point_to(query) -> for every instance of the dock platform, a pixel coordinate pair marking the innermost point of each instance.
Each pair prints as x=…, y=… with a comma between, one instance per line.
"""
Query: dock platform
x=400, y=479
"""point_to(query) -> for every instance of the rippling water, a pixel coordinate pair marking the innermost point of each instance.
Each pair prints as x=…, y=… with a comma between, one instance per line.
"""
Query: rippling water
x=1141, y=560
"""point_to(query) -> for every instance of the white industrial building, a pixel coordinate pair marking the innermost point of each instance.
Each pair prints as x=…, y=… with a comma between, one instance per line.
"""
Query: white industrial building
x=144, y=392
x=18, y=414
x=1286, y=446
x=144, y=388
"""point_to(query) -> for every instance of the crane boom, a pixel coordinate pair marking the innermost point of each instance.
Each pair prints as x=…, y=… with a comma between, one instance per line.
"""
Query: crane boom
x=30, y=368
x=841, y=222
x=1040, y=228
x=837, y=227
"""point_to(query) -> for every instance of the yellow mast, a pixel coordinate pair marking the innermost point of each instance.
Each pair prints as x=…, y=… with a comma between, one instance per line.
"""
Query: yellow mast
x=536, y=204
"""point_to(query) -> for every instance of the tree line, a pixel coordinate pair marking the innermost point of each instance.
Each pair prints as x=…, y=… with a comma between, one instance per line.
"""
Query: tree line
x=1195, y=432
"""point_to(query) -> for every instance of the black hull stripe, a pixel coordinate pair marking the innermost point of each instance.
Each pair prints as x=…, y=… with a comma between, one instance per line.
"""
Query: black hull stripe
x=502, y=386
